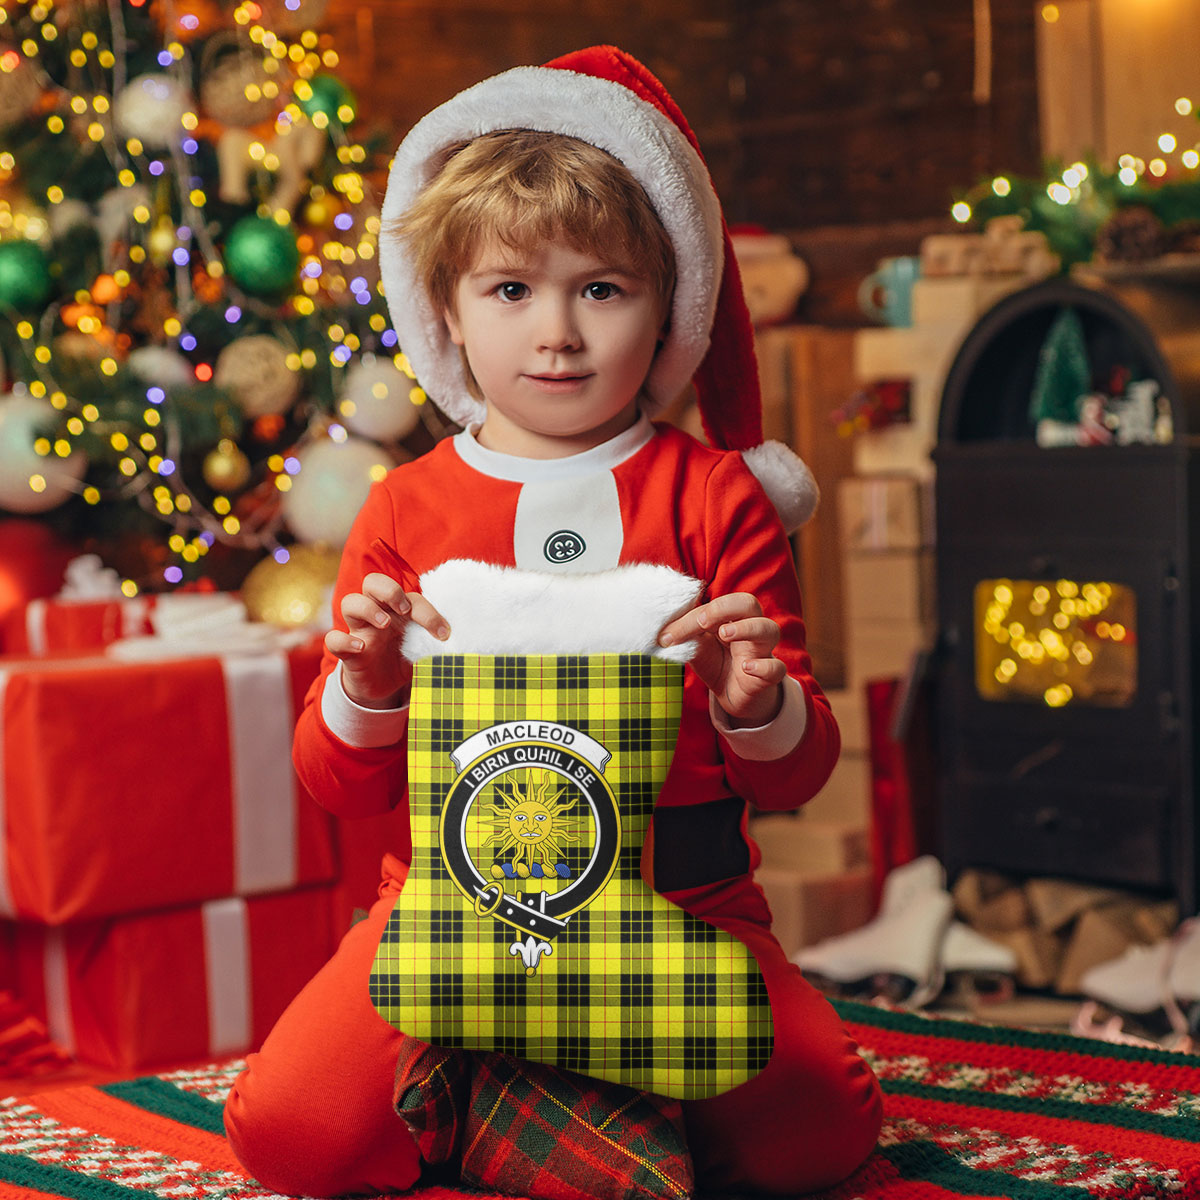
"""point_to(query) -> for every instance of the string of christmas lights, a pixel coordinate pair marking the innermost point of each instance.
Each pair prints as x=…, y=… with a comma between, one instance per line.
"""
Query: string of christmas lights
x=1075, y=203
x=1058, y=640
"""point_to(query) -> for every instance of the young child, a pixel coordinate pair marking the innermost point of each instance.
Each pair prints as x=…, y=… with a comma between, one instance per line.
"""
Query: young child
x=557, y=267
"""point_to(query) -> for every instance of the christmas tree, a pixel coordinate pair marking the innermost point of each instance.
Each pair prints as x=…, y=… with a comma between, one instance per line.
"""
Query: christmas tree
x=196, y=357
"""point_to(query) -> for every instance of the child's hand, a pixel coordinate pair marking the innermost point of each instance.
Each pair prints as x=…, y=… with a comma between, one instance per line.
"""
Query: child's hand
x=374, y=673
x=734, y=655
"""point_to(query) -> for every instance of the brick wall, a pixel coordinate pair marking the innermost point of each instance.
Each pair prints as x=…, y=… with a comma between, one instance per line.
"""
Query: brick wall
x=810, y=113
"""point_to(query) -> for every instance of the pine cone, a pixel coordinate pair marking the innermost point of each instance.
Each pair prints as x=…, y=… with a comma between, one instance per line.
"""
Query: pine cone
x=1184, y=238
x=1132, y=234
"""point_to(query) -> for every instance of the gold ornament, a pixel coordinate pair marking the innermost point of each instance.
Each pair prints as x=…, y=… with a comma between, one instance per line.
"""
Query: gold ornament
x=162, y=242
x=236, y=88
x=255, y=370
x=226, y=468
x=295, y=593
x=317, y=213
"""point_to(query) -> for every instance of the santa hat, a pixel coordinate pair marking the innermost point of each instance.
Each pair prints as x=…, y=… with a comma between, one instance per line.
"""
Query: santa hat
x=607, y=98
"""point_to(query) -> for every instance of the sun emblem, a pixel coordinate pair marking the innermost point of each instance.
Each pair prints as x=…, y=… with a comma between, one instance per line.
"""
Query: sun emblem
x=530, y=827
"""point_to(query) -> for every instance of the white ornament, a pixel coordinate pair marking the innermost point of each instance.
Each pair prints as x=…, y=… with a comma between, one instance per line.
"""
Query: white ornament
x=162, y=366
x=255, y=370
x=299, y=148
x=330, y=488
x=29, y=482
x=66, y=215
x=375, y=400
x=114, y=219
x=20, y=90
x=151, y=108
x=228, y=84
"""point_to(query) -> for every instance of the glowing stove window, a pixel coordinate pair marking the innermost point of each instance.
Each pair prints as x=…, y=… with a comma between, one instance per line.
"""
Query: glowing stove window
x=1056, y=642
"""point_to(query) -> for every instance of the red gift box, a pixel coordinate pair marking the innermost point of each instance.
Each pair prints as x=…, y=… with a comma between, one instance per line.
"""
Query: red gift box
x=173, y=987
x=132, y=786
x=52, y=625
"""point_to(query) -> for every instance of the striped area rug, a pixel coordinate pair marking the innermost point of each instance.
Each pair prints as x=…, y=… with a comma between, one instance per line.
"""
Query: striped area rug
x=972, y=1111
x=157, y=1136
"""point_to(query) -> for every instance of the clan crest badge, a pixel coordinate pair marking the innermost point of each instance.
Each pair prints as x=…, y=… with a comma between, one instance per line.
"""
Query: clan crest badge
x=530, y=796
x=524, y=925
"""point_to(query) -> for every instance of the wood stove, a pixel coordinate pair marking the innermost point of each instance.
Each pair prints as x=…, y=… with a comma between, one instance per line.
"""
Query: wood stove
x=1067, y=665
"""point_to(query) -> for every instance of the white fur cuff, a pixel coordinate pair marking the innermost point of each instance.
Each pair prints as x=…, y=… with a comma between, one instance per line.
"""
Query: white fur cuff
x=766, y=743
x=503, y=610
x=356, y=725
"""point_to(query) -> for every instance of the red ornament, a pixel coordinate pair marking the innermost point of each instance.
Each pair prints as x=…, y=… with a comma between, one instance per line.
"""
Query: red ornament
x=32, y=561
x=267, y=428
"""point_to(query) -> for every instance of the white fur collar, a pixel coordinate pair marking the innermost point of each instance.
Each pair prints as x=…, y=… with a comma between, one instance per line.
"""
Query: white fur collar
x=503, y=610
x=605, y=457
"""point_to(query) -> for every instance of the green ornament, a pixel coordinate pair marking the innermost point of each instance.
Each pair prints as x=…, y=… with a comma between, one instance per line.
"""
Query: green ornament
x=262, y=256
x=24, y=275
x=328, y=95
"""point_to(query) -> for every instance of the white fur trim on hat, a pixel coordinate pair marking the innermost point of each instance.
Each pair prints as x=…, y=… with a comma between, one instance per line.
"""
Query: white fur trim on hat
x=604, y=114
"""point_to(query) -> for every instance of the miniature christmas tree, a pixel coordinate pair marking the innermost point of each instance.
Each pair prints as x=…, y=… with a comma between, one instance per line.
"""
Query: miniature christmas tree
x=194, y=345
x=1063, y=375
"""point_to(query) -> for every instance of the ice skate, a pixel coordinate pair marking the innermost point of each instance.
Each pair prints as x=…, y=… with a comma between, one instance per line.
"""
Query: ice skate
x=898, y=953
x=978, y=965
x=1153, y=989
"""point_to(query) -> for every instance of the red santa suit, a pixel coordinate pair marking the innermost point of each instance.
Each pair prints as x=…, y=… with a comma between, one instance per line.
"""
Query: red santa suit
x=313, y=1112
x=651, y=495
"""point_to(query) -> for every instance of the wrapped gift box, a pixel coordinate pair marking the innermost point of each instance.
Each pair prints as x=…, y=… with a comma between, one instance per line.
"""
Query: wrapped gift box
x=130, y=786
x=807, y=908
x=885, y=512
x=53, y=625
x=888, y=586
x=173, y=987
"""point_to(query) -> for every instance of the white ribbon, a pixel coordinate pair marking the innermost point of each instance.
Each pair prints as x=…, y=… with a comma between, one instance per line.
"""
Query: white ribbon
x=226, y=972
x=258, y=702
x=57, y=981
x=227, y=975
x=35, y=626
x=134, y=615
x=878, y=533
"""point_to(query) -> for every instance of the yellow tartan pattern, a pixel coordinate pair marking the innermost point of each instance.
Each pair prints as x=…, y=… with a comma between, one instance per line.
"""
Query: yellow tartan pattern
x=633, y=989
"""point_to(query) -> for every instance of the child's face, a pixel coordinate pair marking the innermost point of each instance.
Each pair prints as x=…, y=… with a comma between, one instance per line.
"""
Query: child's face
x=559, y=343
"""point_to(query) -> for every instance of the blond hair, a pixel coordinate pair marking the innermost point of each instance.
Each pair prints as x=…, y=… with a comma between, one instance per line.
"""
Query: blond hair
x=520, y=188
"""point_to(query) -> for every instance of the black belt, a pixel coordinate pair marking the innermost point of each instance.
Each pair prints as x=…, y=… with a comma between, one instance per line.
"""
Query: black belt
x=697, y=844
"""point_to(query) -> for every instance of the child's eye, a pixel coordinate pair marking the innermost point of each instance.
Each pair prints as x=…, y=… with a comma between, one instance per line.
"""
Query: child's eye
x=512, y=291
x=601, y=291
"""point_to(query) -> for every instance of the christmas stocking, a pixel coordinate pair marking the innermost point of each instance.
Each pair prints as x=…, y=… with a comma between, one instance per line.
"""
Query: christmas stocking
x=525, y=926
